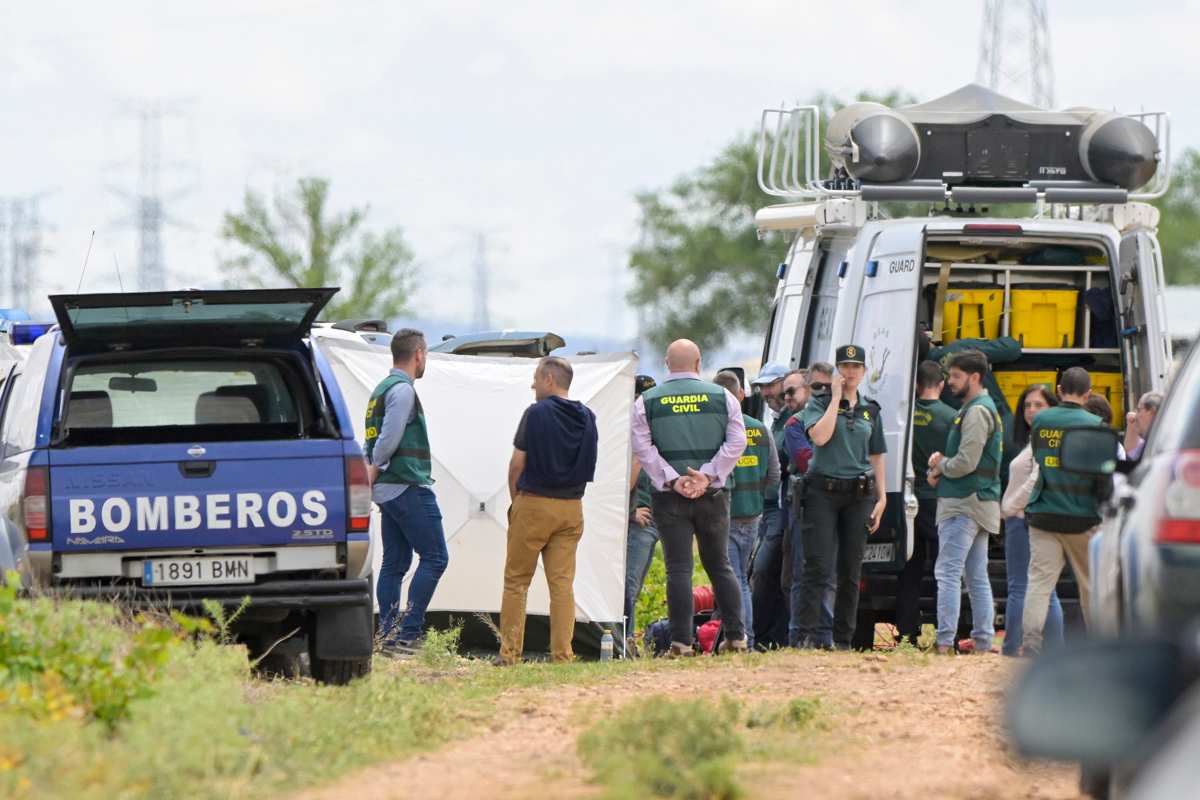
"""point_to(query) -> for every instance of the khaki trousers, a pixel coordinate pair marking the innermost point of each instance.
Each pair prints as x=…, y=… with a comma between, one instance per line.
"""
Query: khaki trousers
x=550, y=528
x=1047, y=553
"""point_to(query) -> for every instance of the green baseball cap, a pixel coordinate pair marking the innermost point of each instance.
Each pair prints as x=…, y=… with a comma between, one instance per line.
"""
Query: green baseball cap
x=851, y=354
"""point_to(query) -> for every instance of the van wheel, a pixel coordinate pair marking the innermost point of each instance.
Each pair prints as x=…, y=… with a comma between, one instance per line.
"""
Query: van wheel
x=339, y=671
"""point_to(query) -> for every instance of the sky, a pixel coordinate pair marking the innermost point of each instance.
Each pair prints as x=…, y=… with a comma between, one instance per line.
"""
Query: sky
x=532, y=123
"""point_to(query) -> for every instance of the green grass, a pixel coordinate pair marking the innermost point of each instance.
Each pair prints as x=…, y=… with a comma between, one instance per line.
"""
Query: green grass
x=695, y=749
x=97, y=704
x=194, y=722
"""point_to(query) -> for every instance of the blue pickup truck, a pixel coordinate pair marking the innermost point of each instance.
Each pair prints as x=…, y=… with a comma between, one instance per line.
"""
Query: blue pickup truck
x=168, y=448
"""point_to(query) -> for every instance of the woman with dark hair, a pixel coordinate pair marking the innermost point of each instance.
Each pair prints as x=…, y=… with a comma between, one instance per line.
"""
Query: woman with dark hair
x=1022, y=475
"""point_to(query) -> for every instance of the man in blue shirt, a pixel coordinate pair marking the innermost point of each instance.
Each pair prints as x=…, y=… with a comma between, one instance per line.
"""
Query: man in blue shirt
x=554, y=458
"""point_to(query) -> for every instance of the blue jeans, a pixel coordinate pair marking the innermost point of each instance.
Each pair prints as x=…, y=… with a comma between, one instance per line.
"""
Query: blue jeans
x=411, y=523
x=963, y=546
x=823, y=635
x=1016, y=559
x=742, y=533
x=639, y=552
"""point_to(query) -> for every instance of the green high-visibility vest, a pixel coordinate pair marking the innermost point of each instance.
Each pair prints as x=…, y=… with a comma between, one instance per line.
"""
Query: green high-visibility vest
x=411, y=463
x=687, y=420
x=932, y=420
x=1061, y=501
x=750, y=474
x=984, y=481
x=771, y=490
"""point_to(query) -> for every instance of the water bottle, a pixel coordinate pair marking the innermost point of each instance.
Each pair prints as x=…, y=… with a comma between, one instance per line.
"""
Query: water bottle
x=606, y=646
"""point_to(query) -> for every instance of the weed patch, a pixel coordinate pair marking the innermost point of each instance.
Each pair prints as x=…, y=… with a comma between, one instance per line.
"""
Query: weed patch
x=72, y=660
x=667, y=748
x=796, y=714
x=440, y=650
x=692, y=749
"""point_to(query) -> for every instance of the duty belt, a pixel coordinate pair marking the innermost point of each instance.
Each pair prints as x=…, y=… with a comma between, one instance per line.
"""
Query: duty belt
x=863, y=485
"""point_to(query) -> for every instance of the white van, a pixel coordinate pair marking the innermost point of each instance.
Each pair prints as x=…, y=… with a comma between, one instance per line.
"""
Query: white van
x=1077, y=280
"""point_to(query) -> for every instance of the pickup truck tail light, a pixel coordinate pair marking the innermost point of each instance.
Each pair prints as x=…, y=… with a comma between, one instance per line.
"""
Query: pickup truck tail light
x=1180, y=521
x=358, y=495
x=35, y=504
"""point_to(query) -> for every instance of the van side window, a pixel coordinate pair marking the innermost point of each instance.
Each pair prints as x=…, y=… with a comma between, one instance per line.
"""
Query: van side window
x=7, y=414
x=818, y=331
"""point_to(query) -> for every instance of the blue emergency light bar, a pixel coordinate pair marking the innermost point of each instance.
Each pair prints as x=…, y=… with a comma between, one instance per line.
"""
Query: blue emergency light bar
x=29, y=332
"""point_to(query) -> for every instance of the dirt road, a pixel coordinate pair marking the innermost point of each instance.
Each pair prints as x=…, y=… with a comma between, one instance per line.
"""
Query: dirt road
x=898, y=726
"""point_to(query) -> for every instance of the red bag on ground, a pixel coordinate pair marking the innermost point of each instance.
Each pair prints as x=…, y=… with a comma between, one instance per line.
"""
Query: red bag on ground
x=707, y=634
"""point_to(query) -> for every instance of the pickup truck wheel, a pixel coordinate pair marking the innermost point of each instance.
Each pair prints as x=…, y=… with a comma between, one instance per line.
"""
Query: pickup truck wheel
x=340, y=643
x=340, y=671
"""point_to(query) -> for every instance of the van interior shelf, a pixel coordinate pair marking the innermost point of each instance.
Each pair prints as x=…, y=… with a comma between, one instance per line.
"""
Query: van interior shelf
x=1038, y=268
x=1093, y=351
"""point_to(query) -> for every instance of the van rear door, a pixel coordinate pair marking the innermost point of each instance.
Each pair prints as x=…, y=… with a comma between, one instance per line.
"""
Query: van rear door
x=1144, y=340
x=886, y=326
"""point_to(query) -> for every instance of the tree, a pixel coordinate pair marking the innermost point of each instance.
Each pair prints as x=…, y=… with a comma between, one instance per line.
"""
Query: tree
x=298, y=242
x=1179, y=227
x=700, y=270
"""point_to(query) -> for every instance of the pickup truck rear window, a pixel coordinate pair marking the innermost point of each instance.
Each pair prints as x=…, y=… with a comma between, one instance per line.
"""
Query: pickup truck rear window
x=147, y=401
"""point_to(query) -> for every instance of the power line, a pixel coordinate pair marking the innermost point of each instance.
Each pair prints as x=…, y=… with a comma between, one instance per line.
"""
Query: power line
x=1014, y=51
x=151, y=269
x=147, y=204
x=20, y=246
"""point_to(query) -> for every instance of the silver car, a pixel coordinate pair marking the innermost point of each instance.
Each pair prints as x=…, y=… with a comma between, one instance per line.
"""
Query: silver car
x=1145, y=563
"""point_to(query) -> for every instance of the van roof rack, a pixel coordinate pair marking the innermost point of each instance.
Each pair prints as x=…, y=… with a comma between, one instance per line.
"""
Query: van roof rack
x=968, y=147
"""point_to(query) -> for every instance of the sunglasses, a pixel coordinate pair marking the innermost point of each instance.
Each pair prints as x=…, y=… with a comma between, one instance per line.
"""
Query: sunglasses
x=790, y=391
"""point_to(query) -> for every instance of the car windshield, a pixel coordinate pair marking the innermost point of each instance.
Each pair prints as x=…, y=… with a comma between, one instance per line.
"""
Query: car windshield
x=114, y=402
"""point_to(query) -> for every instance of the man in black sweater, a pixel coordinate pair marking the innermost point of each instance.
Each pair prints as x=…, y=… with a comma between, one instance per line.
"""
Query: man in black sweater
x=554, y=458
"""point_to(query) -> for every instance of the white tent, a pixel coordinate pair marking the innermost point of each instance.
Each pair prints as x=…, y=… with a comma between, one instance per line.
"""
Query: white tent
x=472, y=407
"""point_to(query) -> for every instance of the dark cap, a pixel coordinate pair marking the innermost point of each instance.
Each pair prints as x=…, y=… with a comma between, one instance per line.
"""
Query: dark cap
x=641, y=383
x=851, y=354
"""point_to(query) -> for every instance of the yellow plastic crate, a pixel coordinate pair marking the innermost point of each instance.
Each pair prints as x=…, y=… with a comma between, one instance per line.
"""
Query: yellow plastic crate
x=1112, y=386
x=972, y=314
x=1013, y=382
x=1043, y=318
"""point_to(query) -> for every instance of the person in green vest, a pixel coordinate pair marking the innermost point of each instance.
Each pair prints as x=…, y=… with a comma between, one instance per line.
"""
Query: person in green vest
x=1063, y=510
x=931, y=423
x=397, y=449
x=845, y=495
x=688, y=435
x=1002, y=350
x=967, y=477
x=758, y=467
